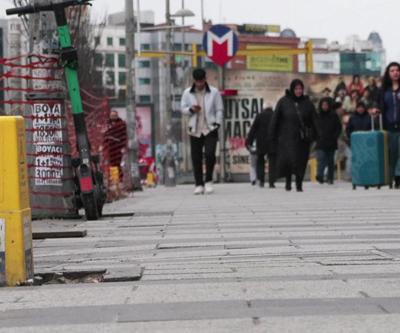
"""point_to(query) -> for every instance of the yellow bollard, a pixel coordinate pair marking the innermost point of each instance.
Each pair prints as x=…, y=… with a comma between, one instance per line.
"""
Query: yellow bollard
x=150, y=179
x=16, y=261
x=313, y=169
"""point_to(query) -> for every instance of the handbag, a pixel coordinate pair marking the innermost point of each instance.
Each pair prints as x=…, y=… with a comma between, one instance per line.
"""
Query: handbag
x=306, y=133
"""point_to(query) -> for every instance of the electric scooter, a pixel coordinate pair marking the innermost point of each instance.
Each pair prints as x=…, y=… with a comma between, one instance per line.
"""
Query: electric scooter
x=90, y=193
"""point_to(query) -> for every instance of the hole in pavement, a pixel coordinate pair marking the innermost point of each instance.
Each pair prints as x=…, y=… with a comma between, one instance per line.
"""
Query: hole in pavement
x=88, y=276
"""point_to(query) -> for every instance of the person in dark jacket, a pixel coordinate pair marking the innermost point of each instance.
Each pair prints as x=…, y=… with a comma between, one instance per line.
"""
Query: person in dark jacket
x=359, y=121
x=329, y=128
x=389, y=106
x=292, y=132
x=259, y=133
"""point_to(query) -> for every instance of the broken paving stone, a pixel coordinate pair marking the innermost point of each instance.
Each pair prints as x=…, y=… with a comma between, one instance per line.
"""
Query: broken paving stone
x=133, y=273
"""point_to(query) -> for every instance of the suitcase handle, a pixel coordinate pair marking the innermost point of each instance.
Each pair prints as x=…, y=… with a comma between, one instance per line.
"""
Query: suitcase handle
x=380, y=123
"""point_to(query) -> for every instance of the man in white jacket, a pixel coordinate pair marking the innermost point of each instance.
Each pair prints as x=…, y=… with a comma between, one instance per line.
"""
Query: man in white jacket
x=203, y=103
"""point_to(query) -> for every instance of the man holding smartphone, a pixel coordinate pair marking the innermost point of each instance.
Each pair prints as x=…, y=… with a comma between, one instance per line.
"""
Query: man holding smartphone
x=203, y=103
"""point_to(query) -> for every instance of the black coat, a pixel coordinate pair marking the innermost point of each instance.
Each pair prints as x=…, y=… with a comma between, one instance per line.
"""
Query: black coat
x=259, y=132
x=329, y=128
x=358, y=122
x=292, y=151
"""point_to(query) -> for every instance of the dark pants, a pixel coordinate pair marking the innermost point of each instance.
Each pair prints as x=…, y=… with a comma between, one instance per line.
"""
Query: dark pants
x=209, y=143
x=326, y=159
x=394, y=143
x=271, y=168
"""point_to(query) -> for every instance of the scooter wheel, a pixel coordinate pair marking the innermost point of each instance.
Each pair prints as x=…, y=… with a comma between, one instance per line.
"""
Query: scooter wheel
x=90, y=207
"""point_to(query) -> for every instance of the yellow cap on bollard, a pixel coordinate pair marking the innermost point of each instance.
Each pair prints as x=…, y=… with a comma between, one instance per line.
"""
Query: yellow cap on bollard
x=16, y=263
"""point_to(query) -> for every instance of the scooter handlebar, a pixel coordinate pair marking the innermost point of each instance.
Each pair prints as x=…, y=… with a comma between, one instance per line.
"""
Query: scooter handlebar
x=21, y=10
x=30, y=9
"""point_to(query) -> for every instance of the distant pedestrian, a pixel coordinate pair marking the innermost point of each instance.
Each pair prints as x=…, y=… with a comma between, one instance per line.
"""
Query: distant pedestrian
x=341, y=85
x=292, y=132
x=359, y=121
x=373, y=89
x=356, y=84
x=203, y=104
x=115, y=141
x=329, y=128
x=259, y=133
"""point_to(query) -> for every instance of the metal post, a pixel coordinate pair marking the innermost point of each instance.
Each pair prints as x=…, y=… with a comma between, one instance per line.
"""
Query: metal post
x=183, y=29
x=130, y=95
x=169, y=158
x=221, y=84
x=202, y=15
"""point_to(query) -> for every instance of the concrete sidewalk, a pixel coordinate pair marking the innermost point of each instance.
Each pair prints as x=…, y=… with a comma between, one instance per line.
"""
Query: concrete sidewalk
x=244, y=259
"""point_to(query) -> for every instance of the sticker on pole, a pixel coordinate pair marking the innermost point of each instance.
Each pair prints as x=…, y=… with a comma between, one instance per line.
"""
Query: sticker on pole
x=220, y=43
x=2, y=252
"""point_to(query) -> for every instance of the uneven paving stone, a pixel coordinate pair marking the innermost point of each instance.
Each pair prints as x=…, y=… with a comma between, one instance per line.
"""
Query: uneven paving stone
x=244, y=259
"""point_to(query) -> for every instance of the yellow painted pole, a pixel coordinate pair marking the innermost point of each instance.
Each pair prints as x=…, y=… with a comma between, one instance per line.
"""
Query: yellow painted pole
x=309, y=57
x=16, y=262
x=194, y=56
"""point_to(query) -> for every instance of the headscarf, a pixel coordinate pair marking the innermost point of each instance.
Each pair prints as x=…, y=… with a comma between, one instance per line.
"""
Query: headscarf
x=293, y=85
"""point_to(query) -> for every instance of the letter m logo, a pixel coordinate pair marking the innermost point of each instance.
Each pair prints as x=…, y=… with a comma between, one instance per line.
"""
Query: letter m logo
x=220, y=44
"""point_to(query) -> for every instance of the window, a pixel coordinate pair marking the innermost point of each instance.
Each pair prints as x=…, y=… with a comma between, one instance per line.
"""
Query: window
x=121, y=60
x=177, y=47
x=144, y=64
x=109, y=41
x=98, y=60
x=122, y=78
x=122, y=94
x=327, y=64
x=122, y=42
x=96, y=40
x=145, y=47
x=144, y=81
x=144, y=98
x=110, y=78
x=109, y=60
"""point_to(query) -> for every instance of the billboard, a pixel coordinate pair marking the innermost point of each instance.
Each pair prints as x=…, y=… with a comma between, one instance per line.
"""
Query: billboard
x=257, y=90
x=270, y=63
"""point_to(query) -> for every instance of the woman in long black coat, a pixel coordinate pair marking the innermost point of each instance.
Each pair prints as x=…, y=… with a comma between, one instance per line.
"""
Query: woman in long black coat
x=292, y=131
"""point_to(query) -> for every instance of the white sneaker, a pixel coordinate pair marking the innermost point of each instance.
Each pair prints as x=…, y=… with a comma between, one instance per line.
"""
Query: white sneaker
x=198, y=190
x=209, y=188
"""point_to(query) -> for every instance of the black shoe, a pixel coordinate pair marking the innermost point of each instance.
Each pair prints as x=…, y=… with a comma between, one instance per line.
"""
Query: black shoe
x=320, y=179
x=397, y=182
x=261, y=184
x=288, y=187
x=299, y=187
x=330, y=182
x=253, y=182
x=272, y=186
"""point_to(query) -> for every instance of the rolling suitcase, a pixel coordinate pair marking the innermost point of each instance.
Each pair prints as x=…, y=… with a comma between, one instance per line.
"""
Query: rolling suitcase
x=370, y=157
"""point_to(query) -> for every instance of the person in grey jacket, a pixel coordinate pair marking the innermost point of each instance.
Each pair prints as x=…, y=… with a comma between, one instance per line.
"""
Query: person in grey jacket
x=203, y=104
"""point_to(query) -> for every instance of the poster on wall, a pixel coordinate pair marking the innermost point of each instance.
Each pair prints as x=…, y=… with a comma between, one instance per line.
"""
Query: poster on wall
x=257, y=90
x=48, y=140
x=144, y=128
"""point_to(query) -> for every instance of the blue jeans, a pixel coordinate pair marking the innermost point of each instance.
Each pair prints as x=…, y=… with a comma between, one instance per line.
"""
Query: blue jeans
x=394, y=150
x=326, y=159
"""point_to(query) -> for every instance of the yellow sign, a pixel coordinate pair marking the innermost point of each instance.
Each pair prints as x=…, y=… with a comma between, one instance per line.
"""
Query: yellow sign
x=269, y=63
